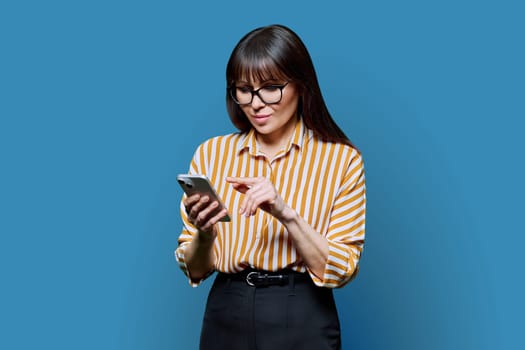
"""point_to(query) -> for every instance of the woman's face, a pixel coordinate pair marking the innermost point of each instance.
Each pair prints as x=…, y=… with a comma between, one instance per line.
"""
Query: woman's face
x=273, y=122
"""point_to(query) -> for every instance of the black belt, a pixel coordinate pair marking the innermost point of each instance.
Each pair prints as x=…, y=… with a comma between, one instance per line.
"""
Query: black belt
x=257, y=278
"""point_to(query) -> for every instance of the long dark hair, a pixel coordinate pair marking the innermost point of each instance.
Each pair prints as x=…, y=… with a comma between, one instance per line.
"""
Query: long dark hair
x=276, y=52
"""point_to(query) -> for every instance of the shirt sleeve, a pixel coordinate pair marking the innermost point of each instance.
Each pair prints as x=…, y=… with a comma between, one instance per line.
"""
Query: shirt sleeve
x=346, y=231
x=198, y=166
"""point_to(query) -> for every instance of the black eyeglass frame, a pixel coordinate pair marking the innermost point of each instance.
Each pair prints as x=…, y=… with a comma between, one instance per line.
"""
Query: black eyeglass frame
x=256, y=92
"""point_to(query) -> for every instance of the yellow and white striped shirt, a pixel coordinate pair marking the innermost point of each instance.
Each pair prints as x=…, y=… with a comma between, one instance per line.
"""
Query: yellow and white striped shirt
x=323, y=181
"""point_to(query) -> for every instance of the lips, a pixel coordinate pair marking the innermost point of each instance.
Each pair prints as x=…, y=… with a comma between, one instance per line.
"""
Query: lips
x=260, y=118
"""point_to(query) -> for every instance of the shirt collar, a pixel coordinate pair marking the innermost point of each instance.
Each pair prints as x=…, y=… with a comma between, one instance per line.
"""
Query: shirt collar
x=250, y=144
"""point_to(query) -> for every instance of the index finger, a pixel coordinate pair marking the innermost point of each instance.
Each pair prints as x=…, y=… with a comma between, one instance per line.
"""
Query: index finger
x=242, y=180
x=192, y=199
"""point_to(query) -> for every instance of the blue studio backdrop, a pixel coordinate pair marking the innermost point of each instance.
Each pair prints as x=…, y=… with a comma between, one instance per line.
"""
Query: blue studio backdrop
x=102, y=104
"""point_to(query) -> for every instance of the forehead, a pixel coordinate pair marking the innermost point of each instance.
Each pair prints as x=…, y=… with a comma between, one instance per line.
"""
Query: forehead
x=253, y=71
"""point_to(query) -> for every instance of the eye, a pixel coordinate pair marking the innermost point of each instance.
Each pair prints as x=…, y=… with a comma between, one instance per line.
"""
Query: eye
x=244, y=89
x=271, y=88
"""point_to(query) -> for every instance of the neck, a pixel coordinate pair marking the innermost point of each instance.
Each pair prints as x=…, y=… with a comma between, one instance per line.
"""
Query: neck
x=271, y=144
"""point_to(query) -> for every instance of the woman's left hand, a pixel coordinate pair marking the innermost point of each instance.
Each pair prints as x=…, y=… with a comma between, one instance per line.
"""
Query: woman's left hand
x=258, y=192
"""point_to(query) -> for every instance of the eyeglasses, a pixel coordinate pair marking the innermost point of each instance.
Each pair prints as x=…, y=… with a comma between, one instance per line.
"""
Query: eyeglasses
x=269, y=94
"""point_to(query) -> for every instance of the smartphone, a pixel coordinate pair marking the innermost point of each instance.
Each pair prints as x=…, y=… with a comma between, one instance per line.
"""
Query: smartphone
x=200, y=184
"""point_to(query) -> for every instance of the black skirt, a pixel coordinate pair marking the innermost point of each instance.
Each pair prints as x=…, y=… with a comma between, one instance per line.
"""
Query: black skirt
x=286, y=310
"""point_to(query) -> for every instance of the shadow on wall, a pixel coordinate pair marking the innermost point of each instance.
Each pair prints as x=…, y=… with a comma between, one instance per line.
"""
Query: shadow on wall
x=420, y=270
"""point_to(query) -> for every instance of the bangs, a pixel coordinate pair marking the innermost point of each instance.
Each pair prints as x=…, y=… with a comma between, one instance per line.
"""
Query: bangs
x=256, y=69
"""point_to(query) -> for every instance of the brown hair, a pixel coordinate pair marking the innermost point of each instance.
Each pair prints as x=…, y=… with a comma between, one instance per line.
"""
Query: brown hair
x=276, y=53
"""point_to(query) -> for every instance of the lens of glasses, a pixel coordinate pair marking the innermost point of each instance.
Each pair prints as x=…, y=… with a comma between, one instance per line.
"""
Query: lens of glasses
x=268, y=94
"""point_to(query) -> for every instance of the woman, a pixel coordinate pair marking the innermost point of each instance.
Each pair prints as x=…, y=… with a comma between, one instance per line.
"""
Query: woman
x=295, y=190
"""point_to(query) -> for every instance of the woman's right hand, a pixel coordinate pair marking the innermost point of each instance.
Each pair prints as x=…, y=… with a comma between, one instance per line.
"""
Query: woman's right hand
x=203, y=214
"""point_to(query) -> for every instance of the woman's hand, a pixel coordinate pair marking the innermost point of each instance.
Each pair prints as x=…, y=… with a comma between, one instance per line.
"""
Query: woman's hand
x=258, y=192
x=203, y=214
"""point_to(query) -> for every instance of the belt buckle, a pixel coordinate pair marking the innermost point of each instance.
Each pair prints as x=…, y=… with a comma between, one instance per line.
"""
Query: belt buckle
x=248, y=280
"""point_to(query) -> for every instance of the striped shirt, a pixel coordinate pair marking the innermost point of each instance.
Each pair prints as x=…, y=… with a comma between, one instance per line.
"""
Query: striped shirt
x=324, y=182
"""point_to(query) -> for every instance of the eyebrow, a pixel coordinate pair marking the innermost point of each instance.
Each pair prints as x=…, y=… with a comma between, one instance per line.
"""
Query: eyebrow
x=266, y=82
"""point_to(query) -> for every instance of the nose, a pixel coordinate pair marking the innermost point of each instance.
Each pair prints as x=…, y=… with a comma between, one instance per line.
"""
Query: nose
x=257, y=102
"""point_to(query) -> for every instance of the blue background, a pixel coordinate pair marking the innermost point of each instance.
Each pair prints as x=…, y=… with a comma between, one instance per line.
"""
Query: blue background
x=102, y=103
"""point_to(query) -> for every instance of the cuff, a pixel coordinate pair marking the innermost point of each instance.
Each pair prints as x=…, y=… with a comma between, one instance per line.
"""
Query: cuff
x=179, y=255
x=339, y=269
